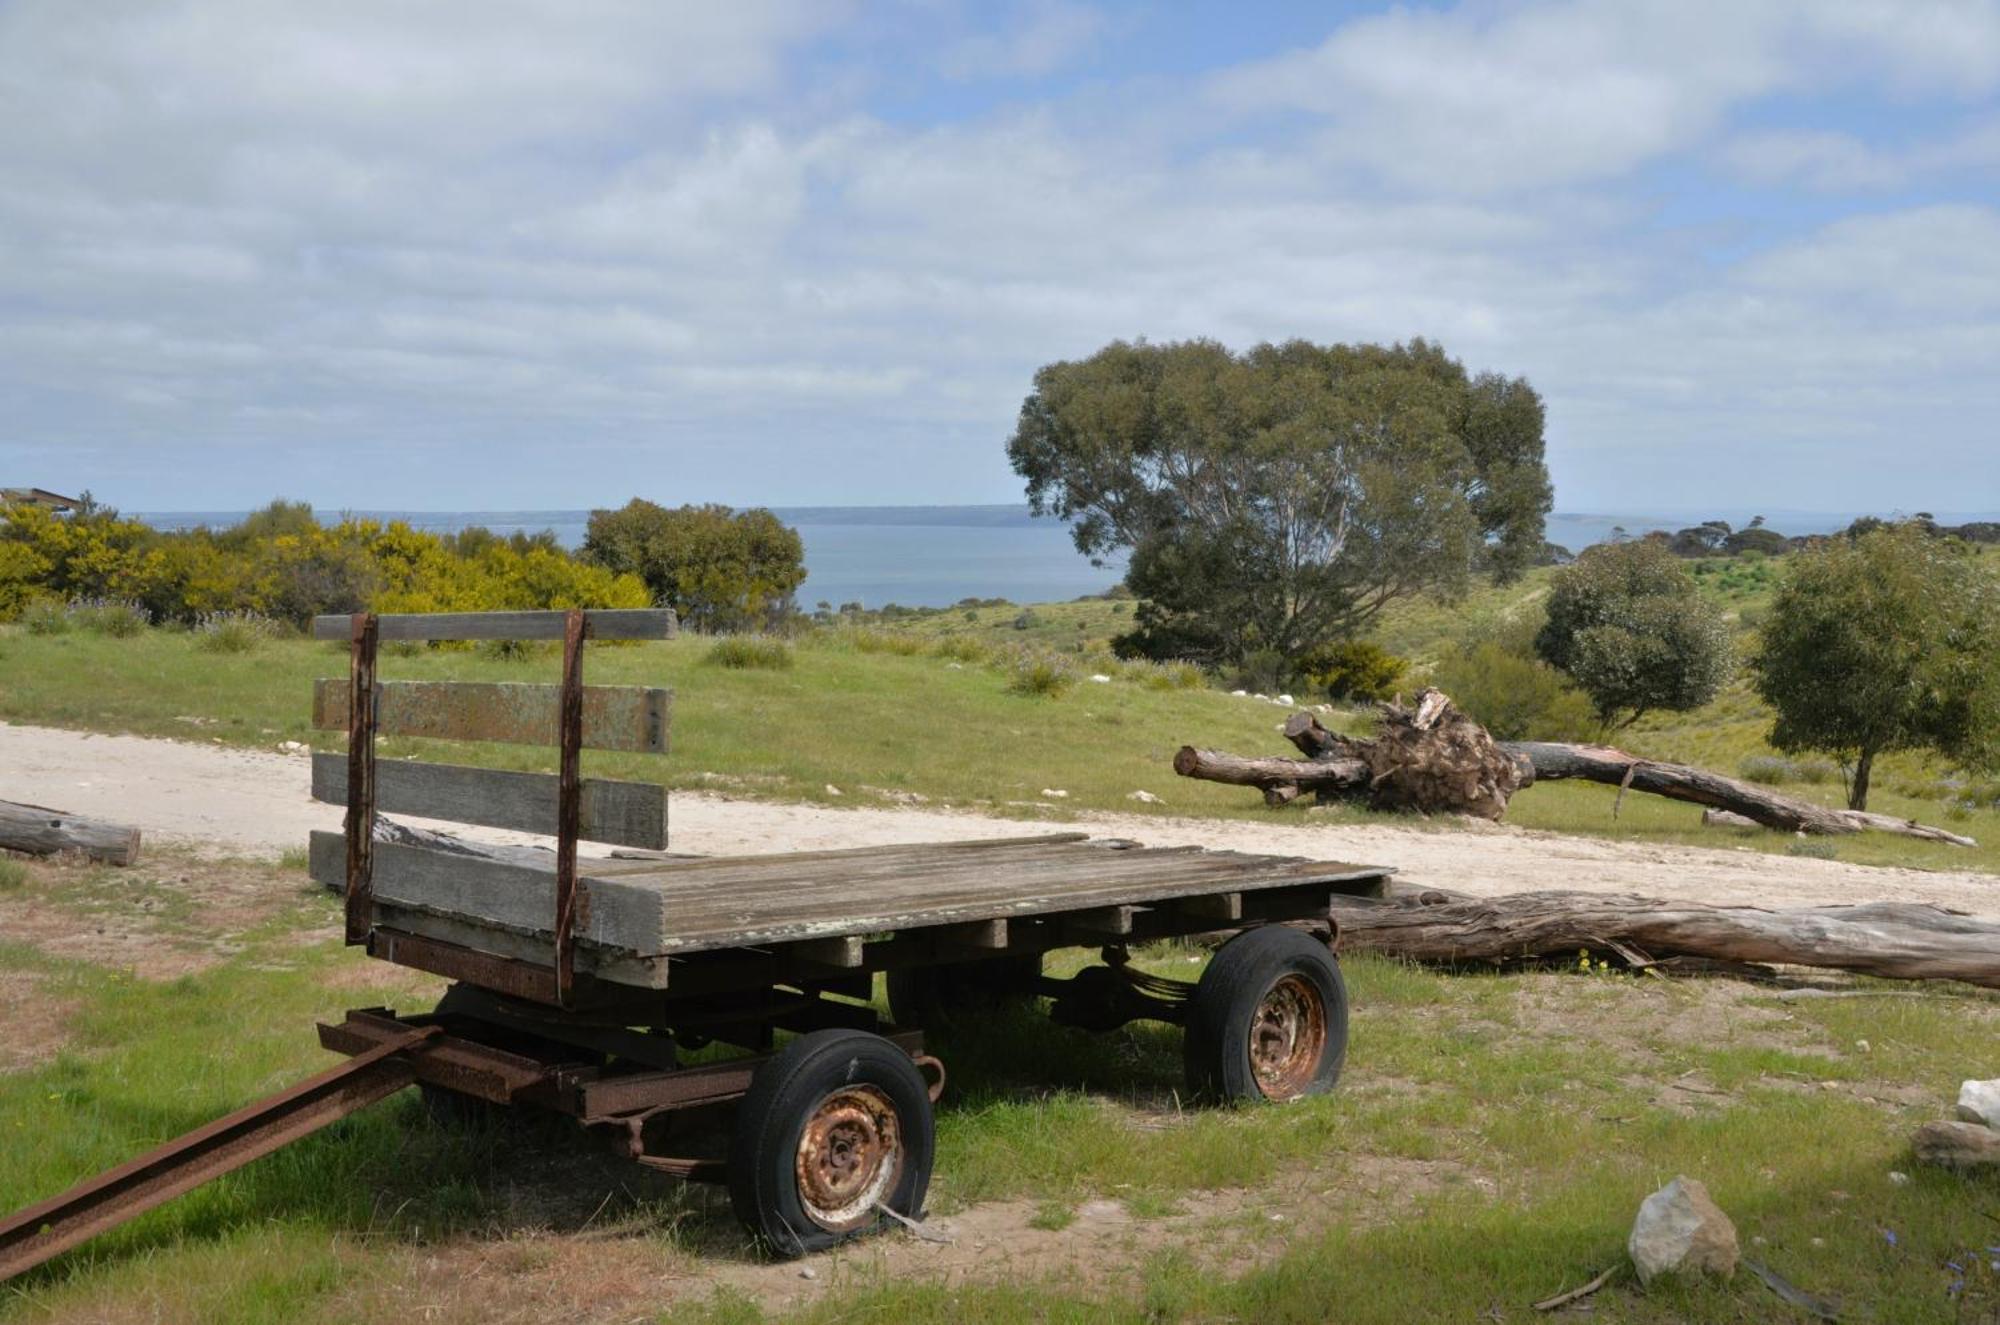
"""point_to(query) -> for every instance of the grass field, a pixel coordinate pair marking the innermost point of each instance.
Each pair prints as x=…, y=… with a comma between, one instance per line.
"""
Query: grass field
x=1487, y=1147
x=925, y=714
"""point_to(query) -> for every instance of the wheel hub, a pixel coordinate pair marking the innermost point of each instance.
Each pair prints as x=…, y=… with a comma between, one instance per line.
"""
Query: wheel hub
x=850, y=1157
x=1288, y=1038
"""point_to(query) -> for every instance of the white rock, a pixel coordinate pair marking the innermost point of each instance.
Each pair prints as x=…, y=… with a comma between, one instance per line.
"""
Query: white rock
x=1144, y=798
x=954, y=667
x=1285, y=700
x=1898, y=1179
x=832, y=790
x=807, y=1272
x=1240, y=694
x=1260, y=695
x=1100, y=678
x=1979, y=1102
x=1681, y=1231
x=1054, y=793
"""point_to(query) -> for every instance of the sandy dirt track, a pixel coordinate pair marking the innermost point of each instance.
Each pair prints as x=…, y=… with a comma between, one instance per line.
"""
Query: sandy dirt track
x=256, y=803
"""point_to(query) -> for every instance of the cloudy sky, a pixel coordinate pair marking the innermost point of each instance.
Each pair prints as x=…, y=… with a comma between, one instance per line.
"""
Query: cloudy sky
x=501, y=254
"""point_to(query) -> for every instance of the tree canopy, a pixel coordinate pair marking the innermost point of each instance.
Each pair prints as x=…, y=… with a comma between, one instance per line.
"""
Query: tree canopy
x=1628, y=624
x=1886, y=639
x=719, y=569
x=1279, y=498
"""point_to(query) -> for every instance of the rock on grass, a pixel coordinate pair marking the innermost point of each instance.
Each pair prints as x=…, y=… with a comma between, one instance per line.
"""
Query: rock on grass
x=1681, y=1231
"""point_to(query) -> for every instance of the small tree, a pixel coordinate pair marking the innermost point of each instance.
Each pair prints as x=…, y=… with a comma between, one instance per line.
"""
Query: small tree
x=1888, y=639
x=720, y=569
x=1630, y=627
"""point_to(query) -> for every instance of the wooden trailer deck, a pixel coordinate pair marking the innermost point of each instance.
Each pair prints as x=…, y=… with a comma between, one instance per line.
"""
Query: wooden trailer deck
x=639, y=919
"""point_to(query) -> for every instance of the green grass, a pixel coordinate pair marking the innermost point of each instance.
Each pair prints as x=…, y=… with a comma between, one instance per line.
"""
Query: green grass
x=1488, y=1145
x=875, y=703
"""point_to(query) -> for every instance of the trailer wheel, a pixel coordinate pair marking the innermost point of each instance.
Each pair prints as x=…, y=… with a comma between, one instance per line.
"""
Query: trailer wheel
x=936, y=996
x=1268, y=1019
x=836, y=1124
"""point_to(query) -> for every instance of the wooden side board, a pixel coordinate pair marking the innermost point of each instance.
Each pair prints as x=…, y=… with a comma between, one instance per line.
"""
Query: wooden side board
x=517, y=898
x=611, y=623
x=632, y=718
x=627, y=814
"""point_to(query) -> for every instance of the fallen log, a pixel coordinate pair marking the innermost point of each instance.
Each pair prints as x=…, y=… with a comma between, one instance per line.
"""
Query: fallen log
x=1598, y=763
x=40, y=831
x=1432, y=758
x=1895, y=940
x=1272, y=772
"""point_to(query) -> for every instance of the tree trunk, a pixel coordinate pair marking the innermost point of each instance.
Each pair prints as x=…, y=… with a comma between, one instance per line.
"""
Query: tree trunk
x=44, y=832
x=1896, y=940
x=1270, y=771
x=1857, y=794
x=1432, y=758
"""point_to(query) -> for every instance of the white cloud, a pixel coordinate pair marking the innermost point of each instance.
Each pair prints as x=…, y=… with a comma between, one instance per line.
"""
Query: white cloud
x=1507, y=98
x=259, y=236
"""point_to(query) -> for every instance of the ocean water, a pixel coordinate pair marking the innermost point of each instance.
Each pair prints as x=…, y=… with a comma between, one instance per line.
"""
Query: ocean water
x=918, y=556
x=933, y=556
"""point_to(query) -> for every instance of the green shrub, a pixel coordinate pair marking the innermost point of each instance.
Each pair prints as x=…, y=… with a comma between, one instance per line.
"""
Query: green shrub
x=749, y=651
x=1041, y=675
x=1813, y=848
x=962, y=648
x=1767, y=769
x=1815, y=771
x=1027, y=620
x=231, y=632
x=114, y=617
x=1165, y=675
x=1514, y=697
x=12, y=874
x=45, y=616
x=1351, y=671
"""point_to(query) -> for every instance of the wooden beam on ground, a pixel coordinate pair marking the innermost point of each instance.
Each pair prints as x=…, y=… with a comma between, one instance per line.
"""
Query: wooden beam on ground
x=632, y=814
x=39, y=831
x=1895, y=940
x=602, y=624
x=632, y=718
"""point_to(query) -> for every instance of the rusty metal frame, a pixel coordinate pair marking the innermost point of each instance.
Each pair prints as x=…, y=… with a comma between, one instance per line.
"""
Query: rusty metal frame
x=364, y=632
x=51, y=1227
x=569, y=800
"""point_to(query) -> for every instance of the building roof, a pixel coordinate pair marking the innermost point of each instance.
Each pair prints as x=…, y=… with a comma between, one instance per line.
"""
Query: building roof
x=40, y=497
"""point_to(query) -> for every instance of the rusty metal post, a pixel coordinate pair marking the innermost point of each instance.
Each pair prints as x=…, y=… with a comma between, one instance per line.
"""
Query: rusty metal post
x=360, y=822
x=31, y=1236
x=569, y=799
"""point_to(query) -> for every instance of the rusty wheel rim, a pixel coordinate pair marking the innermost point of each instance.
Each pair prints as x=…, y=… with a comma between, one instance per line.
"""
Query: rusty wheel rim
x=1288, y=1038
x=850, y=1157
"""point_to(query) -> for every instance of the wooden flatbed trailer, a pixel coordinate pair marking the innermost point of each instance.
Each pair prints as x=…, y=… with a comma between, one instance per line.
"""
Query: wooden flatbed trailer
x=577, y=983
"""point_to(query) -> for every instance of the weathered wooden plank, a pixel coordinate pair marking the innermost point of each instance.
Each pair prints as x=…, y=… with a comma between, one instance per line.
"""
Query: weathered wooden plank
x=844, y=951
x=492, y=893
x=1220, y=907
x=632, y=718
x=603, y=623
x=1104, y=922
x=632, y=814
x=976, y=936
x=39, y=831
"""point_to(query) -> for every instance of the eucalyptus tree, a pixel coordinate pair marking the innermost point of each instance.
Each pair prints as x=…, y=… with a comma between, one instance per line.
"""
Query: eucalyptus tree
x=1281, y=497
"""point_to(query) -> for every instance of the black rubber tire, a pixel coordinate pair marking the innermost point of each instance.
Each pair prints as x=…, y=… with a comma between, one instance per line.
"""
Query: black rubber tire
x=1223, y=1011
x=937, y=996
x=771, y=1120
